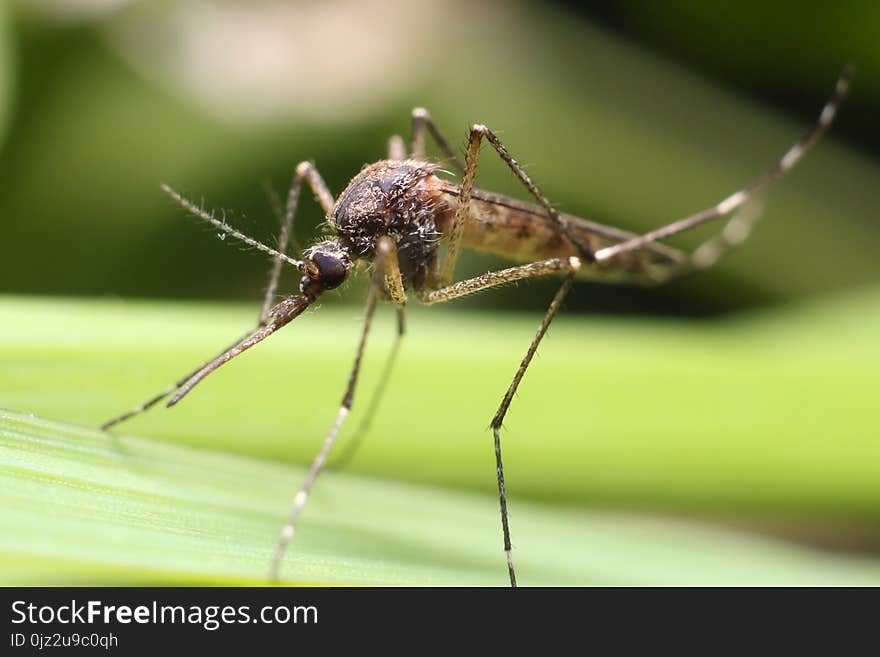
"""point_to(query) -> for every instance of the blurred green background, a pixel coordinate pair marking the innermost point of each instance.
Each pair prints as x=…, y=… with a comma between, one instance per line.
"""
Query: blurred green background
x=632, y=125
x=630, y=114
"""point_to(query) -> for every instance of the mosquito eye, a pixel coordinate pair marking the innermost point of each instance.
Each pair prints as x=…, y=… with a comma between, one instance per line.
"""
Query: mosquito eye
x=331, y=270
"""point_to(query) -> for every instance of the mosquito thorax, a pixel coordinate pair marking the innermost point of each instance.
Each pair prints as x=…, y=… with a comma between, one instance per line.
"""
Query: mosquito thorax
x=399, y=199
x=326, y=266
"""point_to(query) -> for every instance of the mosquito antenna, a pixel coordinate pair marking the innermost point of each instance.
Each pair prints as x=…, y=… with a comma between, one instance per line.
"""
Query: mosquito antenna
x=735, y=200
x=226, y=228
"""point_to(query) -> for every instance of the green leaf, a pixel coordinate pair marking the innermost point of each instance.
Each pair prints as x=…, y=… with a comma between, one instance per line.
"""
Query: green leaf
x=84, y=507
x=763, y=420
x=767, y=415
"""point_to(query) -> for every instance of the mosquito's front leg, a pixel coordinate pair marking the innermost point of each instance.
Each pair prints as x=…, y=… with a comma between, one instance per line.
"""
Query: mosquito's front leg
x=351, y=446
x=477, y=284
x=307, y=171
x=394, y=285
x=301, y=497
x=386, y=272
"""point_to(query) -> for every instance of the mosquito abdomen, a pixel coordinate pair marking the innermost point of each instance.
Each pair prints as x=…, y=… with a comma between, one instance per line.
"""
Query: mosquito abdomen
x=509, y=228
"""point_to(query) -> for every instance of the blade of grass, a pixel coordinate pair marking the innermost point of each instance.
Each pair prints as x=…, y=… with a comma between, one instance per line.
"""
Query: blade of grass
x=765, y=416
x=82, y=507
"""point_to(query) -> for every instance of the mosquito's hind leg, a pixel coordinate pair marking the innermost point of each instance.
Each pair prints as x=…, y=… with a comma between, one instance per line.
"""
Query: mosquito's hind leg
x=735, y=231
x=479, y=283
x=739, y=198
x=421, y=121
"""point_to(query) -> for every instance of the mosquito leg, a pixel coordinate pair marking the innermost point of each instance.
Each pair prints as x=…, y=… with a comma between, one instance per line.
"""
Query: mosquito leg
x=735, y=231
x=570, y=265
x=472, y=156
x=307, y=171
x=394, y=284
x=477, y=134
x=493, y=278
x=388, y=266
x=421, y=120
x=498, y=420
x=396, y=148
x=299, y=500
x=301, y=496
x=736, y=200
x=278, y=212
x=353, y=444
x=278, y=209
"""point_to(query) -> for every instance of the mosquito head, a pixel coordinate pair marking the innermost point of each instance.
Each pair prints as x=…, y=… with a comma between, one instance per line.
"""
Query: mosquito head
x=326, y=266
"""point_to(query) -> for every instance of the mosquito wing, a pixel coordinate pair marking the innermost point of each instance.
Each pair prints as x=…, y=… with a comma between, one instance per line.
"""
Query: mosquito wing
x=523, y=232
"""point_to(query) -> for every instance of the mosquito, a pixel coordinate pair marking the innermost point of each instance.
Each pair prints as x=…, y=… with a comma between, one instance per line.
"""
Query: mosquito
x=399, y=216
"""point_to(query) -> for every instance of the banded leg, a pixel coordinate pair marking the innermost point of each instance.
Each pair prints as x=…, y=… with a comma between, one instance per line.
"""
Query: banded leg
x=301, y=497
x=735, y=231
x=477, y=134
x=352, y=445
x=736, y=200
x=569, y=265
x=421, y=120
x=389, y=267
